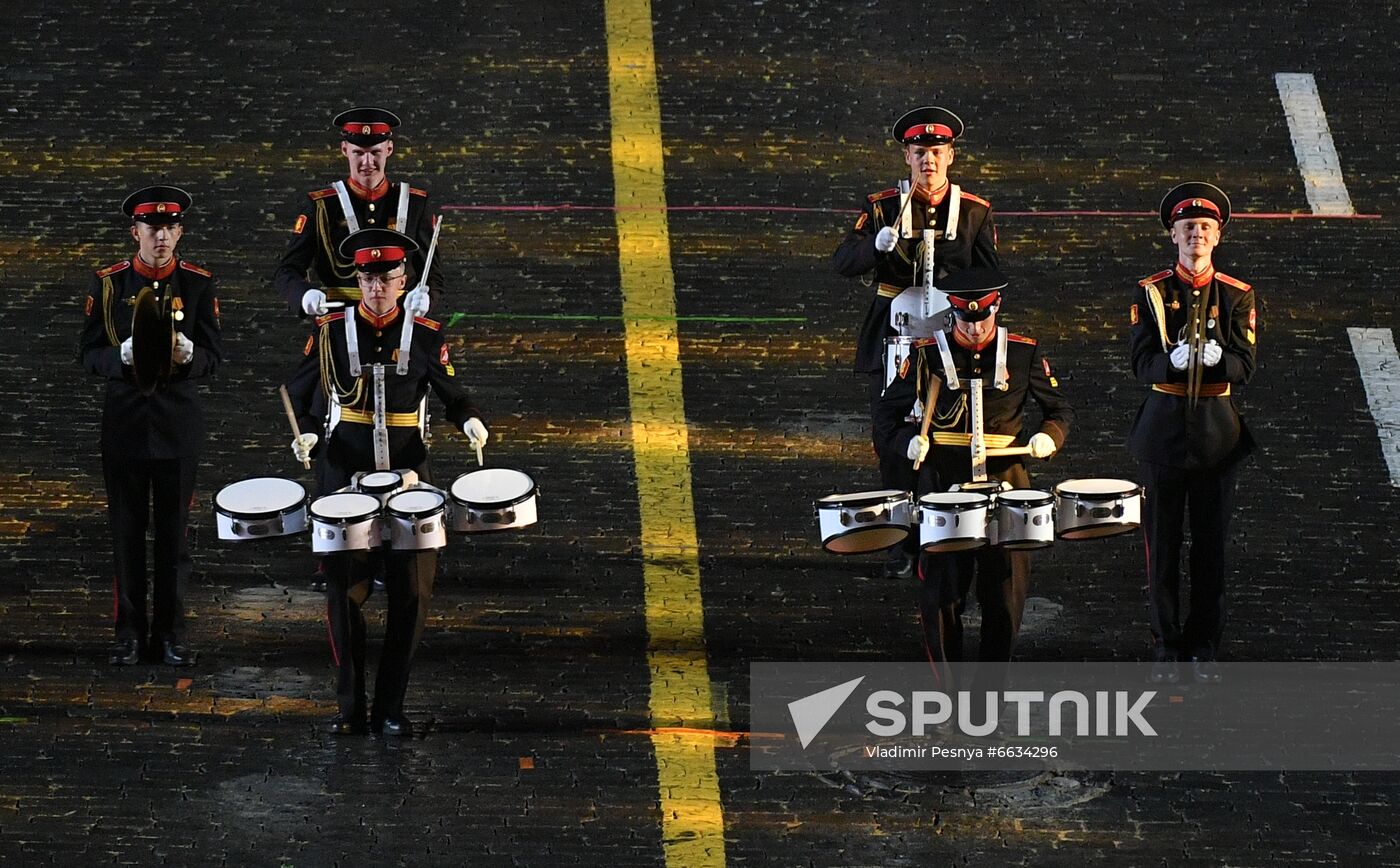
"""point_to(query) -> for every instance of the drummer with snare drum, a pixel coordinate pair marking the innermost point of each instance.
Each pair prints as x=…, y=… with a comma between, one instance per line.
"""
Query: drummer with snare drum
x=357, y=382
x=1012, y=373
x=886, y=248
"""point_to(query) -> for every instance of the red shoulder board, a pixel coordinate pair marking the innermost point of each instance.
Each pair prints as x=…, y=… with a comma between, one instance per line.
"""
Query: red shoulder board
x=322, y=194
x=115, y=268
x=430, y=323
x=414, y=191
x=883, y=194
x=190, y=266
x=978, y=199
x=1147, y=281
x=330, y=317
x=1020, y=339
x=1230, y=281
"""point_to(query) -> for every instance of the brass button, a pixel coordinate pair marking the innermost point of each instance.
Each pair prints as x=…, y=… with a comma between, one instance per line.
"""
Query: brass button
x=976, y=370
x=977, y=355
x=379, y=334
x=371, y=222
x=371, y=206
x=1196, y=292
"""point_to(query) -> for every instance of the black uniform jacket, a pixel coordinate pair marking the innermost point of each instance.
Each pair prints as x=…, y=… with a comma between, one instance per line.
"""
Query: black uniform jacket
x=975, y=244
x=1166, y=431
x=168, y=423
x=351, y=445
x=312, y=259
x=1028, y=378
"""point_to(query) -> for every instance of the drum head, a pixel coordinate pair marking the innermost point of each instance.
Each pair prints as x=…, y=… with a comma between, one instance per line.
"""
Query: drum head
x=1026, y=497
x=381, y=480
x=259, y=495
x=1097, y=489
x=492, y=487
x=419, y=501
x=954, y=500
x=864, y=498
x=344, y=506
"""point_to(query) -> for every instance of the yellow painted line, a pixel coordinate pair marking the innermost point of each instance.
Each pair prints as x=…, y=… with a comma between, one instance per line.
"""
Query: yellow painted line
x=692, y=818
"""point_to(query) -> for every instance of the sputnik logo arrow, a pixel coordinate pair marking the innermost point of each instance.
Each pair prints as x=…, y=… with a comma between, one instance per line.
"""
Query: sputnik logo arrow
x=811, y=713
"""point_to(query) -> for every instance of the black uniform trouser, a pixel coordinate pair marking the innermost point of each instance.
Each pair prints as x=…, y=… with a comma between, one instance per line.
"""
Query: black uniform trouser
x=408, y=584
x=157, y=493
x=1208, y=495
x=896, y=471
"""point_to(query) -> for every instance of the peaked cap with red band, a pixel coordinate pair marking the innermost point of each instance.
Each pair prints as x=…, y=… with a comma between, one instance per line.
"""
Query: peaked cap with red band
x=927, y=125
x=1194, y=199
x=366, y=126
x=377, y=250
x=157, y=204
x=974, y=293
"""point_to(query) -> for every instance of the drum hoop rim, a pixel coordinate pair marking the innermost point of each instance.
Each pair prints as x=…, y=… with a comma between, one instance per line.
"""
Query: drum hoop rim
x=417, y=515
x=1059, y=491
x=957, y=505
x=845, y=533
x=494, y=504
x=904, y=497
x=219, y=509
x=345, y=519
x=1046, y=499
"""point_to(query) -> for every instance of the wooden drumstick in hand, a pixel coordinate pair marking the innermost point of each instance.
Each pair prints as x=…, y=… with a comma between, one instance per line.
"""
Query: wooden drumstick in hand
x=292, y=418
x=929, y=403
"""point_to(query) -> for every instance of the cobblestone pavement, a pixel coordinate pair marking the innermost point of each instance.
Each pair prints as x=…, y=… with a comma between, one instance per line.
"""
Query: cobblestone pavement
x=532, y=681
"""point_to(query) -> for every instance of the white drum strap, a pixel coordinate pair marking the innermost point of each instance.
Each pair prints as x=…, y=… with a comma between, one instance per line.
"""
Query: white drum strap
x=950, y=371
x=405, y=343
x=381, y=427
x=954, y=206
x=423, y=430
x=1002, y=381
x=906, y=217
x=343, y=194
x=401, y=220
x=352, y=340
x=975, y=425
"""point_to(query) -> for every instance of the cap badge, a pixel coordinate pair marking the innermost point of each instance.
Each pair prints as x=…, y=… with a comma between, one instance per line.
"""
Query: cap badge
x=972, y=305
x=364, y=130
x=160, y=207
x=376, y=253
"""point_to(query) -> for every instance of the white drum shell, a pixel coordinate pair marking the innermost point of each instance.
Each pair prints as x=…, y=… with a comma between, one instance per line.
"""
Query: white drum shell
x=1024, y=522
x=1085, y=510
x=416, y=529
x=250, y=520
x=953, y=521
x=865, y=521
x=473, y=513
x=331, y=534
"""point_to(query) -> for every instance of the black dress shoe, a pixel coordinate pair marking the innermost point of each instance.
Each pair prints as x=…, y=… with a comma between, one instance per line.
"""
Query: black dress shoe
x=899, y=564
x=1205, y=670
x=176, y=654
x=343, y=725
x=1164, y=672
x=392, y=727
x=127, y=652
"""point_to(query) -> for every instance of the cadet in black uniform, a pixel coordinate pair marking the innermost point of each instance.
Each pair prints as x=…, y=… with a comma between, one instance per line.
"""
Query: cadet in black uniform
x=1189, y=454
x=1001, y=577
x=325, y=376
x=151, y=442
x=878, y=250
x=312, y=271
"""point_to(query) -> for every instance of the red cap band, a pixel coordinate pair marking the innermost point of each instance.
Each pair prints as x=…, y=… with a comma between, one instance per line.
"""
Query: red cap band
x=1202, y=204
x=156, y=208
x=929, y=130
x=371, y=255
x=975, y=304
x=366, y=129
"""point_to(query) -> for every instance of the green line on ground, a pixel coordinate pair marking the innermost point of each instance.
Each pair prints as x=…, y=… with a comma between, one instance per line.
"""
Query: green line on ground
x=12, y=720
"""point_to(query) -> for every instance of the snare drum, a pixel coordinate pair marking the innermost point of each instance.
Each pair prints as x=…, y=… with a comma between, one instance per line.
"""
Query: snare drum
x=260, y=507
x=953, y=521
x=493, y=499
x=865, y=521
x=1092, y=508
x=345, y=522
x=898, y=349
x=416, y=519
x=380, y=483
x=1025, y=519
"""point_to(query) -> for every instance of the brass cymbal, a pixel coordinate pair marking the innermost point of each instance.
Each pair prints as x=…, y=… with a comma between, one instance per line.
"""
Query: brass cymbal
x=152, y=340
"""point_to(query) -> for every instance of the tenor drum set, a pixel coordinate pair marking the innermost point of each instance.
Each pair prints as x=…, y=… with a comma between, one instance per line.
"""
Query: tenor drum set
x=378, y=507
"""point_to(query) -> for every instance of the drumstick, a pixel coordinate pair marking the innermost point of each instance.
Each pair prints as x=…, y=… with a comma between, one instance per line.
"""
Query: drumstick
x=479, y=462
x=934, y=385
x=292, y=418
x=1009, y=450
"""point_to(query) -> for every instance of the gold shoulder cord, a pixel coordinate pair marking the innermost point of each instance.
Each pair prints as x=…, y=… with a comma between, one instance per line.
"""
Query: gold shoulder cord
x=323, y=229
x=107, y=298
x=330, y=381
x=950, y=418
x=1159, y=313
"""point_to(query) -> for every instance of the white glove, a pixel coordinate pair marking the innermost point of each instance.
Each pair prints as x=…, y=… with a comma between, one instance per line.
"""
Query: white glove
x=918, y=449
x=183, y=351
x=476, y=433
x=1042, y=445
x=416, y=302
x=313, y=303
x=886, y=240
x=1180, y=355
x=126, y=351
x=1211, y=354
x=302, y=446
